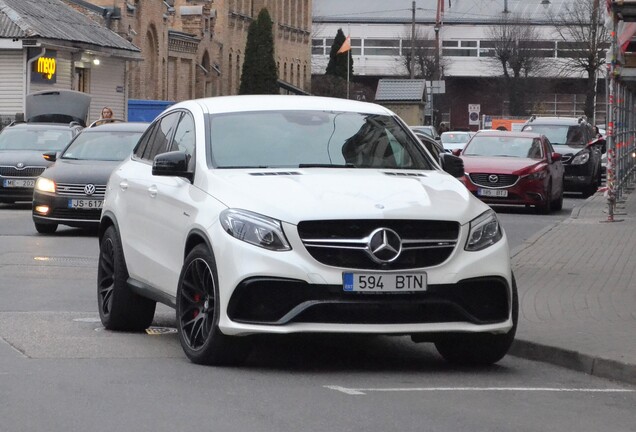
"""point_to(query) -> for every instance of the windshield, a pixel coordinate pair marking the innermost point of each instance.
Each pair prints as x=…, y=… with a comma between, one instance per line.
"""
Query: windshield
x=313, y=138
x=34, y=139
x=505, y=146
x=559, y=134
x=105, y=146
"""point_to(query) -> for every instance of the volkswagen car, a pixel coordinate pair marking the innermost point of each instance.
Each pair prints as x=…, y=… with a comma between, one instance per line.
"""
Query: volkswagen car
x=323, y=216
x=514, y=168
x=71, y=191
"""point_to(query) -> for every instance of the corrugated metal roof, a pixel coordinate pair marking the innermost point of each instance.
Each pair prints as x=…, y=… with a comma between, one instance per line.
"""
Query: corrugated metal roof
x=53, y=19
x=400, y=90
x=456, y=11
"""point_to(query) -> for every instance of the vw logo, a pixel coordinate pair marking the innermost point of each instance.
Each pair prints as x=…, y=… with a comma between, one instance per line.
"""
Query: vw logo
x=384, y=245
x=89, y=189
x=20, y=165
x=493, y=178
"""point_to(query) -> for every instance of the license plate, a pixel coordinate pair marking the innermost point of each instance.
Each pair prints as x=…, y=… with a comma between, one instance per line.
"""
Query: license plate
x=85, y=204
x=384, y=282
x=499, y=193
x=18, y=183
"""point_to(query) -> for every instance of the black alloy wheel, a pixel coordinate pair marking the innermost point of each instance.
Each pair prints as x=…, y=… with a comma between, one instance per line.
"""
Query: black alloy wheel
x=119, y=307
x=198, y=314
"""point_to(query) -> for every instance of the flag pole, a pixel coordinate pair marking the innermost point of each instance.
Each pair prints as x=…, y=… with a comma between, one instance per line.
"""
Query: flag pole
x=348, y=56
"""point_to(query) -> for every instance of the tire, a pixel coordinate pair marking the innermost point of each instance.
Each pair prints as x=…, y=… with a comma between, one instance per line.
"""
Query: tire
x=557, y=204
x=480, y=348
x=198, y=312
x=45, y=228
x=546, y=207
x=119, y=307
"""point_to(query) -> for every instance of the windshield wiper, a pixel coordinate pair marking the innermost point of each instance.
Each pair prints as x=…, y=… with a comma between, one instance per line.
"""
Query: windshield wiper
x=324, y=165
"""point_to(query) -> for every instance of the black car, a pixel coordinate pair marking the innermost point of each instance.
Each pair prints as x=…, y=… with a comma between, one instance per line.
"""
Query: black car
x=71, y=191
x=581, y=149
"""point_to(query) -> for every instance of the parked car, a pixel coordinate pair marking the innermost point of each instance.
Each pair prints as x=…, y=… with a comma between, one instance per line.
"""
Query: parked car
x=514, y=168
x=574, y=138
x=53, y=118
x=71, y=191
x=324, y=215
x=434, y=147
x=455, y=140
x=429, y=130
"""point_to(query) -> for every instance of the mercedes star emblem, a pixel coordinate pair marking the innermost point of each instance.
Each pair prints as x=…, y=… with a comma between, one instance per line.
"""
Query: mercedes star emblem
x=493, y=178
x=384, y=245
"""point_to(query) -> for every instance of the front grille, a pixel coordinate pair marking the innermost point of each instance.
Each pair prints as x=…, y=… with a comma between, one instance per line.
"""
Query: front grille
x=11, y=171
x=77, y=190
x=76, y=214
x=503, y=180
x=283, y=301
x=345, y=243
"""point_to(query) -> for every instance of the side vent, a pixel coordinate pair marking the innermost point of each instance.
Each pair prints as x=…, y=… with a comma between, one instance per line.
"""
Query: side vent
x=405, y=174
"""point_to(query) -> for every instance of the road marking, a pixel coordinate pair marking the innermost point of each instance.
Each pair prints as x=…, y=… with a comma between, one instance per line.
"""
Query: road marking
x=364, y=391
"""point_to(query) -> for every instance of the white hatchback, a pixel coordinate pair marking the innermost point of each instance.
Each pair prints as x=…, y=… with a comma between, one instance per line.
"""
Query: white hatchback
x=283, y=214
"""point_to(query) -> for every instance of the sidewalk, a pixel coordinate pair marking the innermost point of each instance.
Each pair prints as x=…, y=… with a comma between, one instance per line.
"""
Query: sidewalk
x=577, y=291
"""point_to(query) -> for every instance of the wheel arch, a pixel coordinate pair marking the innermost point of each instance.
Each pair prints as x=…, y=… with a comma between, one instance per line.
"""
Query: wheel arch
x=108, y=219
x=195, y=238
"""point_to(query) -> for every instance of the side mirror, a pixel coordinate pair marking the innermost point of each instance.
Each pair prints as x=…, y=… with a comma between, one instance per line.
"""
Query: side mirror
x=456, y=152
x=452, y=164
x=50, y=156
x=557, y=157
x=172, y=164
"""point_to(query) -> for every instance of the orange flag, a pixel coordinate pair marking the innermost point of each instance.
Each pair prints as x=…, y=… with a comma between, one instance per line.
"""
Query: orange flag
x=346, y=46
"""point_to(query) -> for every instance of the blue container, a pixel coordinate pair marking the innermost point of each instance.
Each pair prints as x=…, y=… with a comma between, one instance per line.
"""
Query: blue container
x=140, y=110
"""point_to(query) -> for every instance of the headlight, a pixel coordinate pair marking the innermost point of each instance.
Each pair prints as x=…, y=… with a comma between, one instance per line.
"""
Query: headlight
x=45, y=185
x=537, y=175
x=581, y=158
x=484, y=231
x=255, y=229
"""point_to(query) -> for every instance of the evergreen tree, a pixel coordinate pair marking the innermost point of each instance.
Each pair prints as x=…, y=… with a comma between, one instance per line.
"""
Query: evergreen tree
x=259, y=74
x=338, y=62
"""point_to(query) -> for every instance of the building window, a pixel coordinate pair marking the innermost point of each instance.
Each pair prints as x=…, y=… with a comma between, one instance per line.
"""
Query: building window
x=83, y=80
x=454, y=48
x=385, y=47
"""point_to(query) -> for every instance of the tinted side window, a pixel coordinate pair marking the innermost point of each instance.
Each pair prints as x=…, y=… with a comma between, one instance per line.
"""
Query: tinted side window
x=184, y=139
x=161, y=136
x=145, y=139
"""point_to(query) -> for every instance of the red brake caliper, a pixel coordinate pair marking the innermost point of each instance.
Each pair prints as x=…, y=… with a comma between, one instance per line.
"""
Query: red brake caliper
x=197, y=298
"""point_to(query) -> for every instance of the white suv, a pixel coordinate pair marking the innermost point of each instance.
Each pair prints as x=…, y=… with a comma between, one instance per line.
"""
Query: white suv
x=285, y=214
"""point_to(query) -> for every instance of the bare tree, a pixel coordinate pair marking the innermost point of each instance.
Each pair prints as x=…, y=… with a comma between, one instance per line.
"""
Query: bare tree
x=426, y=62
x=583, y=41
x=510, y=46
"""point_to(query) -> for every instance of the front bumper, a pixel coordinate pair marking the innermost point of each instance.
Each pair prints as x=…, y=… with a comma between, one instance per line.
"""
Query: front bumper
x=523, y=192
x=60, y=213
x=262, y=291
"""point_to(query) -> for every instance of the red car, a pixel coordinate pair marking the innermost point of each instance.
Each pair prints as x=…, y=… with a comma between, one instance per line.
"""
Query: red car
x=514, y=168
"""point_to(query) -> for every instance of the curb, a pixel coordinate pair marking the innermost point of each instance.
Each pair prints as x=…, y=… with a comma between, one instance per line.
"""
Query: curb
x=595, y=366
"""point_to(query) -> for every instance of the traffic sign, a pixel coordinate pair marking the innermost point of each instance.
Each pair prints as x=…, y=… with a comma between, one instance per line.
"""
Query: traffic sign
x=473, y=114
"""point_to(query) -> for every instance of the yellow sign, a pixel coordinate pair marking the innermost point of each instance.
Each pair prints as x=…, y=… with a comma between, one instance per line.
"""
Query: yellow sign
x=47, y=66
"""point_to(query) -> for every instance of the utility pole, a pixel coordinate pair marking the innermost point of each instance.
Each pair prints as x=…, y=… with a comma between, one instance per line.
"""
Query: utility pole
x=412, y=59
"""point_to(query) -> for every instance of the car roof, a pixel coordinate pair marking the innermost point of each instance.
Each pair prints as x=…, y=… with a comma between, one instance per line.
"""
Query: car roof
x=515, y=134
x=37, y=125
x=245, y=103
x=456, y=132
x=118, y=127
x=555, y=121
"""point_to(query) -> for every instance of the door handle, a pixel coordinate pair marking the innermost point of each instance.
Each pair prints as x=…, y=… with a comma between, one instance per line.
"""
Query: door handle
x=152, y=190
x=123, y=185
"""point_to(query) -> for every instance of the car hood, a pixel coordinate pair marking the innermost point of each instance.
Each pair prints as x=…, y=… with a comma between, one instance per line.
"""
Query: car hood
x=80, y=171
x=567, y=149
x=24, y=157
x=313, y=194
x=57, y=106
x=497, y=165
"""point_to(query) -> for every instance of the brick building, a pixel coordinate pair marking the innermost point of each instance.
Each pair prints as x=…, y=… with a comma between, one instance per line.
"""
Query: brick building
x=195, y=48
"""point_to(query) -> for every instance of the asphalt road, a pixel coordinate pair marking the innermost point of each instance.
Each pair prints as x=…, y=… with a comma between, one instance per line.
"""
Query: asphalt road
x=61, y=371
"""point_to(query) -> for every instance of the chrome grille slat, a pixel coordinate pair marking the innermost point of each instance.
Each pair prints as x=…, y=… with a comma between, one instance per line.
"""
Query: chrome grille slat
x=77, y=190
